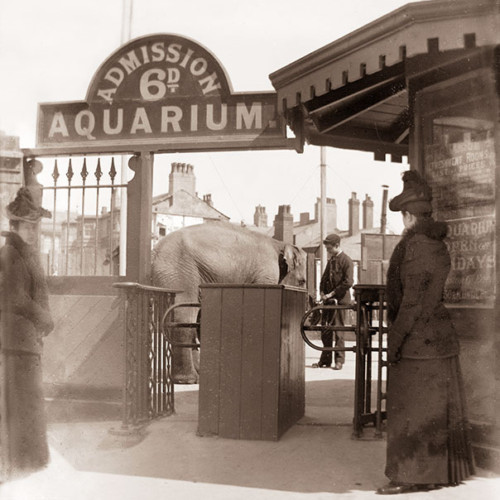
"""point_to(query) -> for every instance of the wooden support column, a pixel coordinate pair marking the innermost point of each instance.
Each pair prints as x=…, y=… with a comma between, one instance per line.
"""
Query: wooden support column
x=139, y=195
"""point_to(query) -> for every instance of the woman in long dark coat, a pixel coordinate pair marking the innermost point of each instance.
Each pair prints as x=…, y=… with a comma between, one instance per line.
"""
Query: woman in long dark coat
x=427, y=430
x=24, y=319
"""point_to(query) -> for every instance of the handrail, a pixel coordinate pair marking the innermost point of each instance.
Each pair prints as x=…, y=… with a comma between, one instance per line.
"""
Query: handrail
x=148, y=288
x=325, y=328
x=166, y=325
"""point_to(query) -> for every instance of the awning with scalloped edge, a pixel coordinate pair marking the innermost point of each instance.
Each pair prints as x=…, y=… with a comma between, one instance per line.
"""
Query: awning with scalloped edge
x=353, y=93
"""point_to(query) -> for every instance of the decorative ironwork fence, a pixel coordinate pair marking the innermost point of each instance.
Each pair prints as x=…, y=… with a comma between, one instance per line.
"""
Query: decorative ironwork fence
x=82, y=238
x=148, y=390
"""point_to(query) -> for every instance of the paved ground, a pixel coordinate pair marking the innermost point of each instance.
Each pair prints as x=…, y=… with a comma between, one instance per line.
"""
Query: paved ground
x=315, y=459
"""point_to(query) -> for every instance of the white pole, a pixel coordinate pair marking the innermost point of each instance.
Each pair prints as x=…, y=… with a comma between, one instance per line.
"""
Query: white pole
x=323, y=206
x=126, y=34
x=126, y=20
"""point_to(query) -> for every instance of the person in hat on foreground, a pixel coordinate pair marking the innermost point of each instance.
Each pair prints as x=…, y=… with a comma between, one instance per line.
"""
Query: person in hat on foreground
x=24, y=320
x=428, y=444
x=335, y=286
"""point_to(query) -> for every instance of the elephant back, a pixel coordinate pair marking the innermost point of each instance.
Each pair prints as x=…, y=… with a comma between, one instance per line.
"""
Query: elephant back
x=215, y=252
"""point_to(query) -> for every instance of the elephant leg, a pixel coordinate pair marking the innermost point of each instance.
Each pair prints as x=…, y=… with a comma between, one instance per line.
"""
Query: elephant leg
x=185, y=360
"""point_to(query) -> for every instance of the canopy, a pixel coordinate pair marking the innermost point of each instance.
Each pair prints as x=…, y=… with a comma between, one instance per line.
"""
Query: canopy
x=354, y=92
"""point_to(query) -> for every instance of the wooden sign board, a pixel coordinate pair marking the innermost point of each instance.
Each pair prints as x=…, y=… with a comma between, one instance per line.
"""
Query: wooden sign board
x=163, y=93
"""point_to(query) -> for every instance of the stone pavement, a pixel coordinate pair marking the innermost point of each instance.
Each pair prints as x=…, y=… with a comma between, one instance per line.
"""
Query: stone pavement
x=316, y=459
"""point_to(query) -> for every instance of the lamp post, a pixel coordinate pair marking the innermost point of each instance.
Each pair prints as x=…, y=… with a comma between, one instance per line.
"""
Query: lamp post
x=323, y=206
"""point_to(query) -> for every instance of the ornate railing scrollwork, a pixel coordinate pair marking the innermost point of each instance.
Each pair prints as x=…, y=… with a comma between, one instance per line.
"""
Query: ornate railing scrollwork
x=148, y=389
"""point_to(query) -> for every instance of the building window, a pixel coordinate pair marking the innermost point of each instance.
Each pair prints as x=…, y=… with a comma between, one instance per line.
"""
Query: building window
x=88, y=230
x=457, y=156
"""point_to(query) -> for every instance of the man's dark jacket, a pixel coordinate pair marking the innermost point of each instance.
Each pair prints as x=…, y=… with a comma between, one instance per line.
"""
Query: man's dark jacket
x=338, y=278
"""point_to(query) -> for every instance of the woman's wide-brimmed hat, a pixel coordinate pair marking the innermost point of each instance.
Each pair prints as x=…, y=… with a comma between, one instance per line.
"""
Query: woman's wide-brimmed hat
x=23, y=208
x=416, y=196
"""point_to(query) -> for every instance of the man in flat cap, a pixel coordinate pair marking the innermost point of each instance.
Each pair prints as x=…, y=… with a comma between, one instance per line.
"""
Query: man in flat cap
x=335, y=286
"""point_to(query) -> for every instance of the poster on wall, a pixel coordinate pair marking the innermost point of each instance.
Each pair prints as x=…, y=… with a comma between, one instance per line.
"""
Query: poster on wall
x=471, y=243
x=462, y=177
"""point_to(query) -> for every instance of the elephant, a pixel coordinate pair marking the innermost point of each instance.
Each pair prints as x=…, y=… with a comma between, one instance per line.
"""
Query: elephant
x=217, y=252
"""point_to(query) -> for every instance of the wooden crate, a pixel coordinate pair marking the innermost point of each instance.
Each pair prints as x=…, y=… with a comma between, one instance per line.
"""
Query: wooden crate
x=252, y=360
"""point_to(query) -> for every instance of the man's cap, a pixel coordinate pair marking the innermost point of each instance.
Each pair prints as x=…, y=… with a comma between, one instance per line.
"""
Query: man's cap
x=23, y=208
x=332, y=239
x=416, y=196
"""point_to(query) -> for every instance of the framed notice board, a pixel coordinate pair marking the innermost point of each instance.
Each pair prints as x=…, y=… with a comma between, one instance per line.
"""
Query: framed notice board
x=457, y=156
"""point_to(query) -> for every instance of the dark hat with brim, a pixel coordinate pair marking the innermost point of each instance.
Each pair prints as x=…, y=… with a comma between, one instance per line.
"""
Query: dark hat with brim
x=332, y=239
x=24, y=209
x=410, y=202
x=416, y=197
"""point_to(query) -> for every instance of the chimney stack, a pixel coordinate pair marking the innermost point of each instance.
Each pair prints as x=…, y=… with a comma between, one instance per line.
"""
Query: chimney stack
x=331, y=213
x=283, y=224
x=304, y=218
x=260, y=216
x=353, y=215
x=182, y=178
x=383, y=217
x=207, y=198
x=367, y=213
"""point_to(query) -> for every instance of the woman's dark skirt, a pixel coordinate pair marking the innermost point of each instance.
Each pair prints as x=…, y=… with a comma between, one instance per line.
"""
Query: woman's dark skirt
x=24, y=425
x=427, y=429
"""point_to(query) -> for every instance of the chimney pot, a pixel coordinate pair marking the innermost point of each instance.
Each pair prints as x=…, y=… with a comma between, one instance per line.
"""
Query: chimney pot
x=283, y=224
x=383, y=216
x=260, y=216
x=207, y=198
x=182, y=178
x=331, y=213
x=304, y=218
x=353, y=215
x=367, y=213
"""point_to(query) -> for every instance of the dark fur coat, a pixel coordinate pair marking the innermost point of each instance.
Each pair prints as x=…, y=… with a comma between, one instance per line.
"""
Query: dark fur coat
x=24, y=305
x=419, y=324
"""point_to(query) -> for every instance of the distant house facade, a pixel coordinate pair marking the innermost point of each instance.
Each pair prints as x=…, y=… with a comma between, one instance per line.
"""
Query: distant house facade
x=370, y=248
x=181, y=206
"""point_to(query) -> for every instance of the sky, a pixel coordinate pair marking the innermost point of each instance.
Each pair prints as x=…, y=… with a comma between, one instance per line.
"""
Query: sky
x=50, y=50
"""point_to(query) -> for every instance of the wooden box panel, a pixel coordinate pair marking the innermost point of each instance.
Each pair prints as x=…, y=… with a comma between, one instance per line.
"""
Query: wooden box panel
x=252, y=361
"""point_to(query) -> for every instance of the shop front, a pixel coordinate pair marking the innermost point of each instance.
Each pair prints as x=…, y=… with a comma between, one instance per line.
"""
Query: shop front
x=423, y=82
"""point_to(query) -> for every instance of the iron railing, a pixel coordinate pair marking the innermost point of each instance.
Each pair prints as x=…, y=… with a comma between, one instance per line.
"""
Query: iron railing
x=148, y=389
x=82, y=238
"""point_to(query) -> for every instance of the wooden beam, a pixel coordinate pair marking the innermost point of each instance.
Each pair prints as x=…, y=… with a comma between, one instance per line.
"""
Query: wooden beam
x=377, y=146
x=400, y=129
x=354, y=133
x=346, y=111
x=350, y=90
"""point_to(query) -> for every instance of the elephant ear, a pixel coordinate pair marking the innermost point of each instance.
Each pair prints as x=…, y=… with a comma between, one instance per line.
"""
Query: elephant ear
x=291, y=256
x=290, y=259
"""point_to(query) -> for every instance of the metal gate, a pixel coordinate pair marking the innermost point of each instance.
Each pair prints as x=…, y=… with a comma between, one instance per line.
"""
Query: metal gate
x=148, y=386
x=370, y=345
